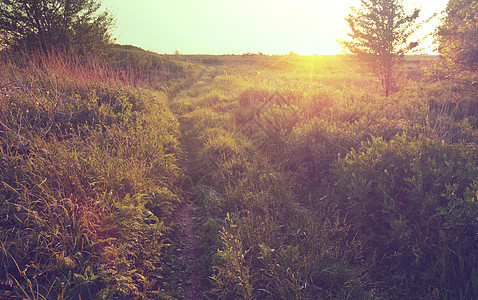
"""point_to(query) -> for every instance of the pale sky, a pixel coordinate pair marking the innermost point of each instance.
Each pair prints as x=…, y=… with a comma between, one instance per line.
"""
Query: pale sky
x=238, y=26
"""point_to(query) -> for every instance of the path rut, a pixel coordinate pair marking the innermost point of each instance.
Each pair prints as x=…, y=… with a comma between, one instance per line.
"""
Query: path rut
x=190, y=254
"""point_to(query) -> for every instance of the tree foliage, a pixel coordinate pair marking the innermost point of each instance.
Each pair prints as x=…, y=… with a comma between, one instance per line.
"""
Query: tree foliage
x=458, y=35
x=380, y=33
x=53, y=23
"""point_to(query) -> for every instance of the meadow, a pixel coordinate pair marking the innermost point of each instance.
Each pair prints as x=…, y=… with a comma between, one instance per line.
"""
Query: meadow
x=306, y=182
x=314, y=186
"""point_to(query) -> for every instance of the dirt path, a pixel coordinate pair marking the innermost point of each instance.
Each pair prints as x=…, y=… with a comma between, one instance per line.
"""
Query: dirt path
x=189, y=255
x=200, y=76
x=188, y=215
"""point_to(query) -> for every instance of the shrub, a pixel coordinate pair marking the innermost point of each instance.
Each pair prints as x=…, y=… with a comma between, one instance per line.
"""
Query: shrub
x=394, y=194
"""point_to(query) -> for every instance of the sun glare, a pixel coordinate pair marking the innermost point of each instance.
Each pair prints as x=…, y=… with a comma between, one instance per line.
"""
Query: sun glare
x=305, y=27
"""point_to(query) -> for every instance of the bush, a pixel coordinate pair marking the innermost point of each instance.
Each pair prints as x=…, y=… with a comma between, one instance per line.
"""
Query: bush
x=395, y=194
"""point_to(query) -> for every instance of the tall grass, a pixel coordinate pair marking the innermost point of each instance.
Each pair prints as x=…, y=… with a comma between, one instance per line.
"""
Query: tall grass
x=88, y=162
x=313, y=186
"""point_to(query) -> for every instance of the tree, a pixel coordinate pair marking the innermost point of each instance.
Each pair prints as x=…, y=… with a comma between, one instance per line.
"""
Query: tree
x=54, y=23
x=458, y=34
x=380, y=30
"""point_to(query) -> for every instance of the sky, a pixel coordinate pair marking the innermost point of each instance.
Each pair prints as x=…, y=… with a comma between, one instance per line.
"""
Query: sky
x=305, y=27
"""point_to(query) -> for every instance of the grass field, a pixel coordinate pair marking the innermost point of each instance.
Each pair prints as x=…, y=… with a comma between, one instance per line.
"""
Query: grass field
x=146, y=176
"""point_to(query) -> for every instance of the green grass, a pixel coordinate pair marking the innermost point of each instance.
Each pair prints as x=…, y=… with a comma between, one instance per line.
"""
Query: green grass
x=276, y=143
x=310, y=185
x=88, y=171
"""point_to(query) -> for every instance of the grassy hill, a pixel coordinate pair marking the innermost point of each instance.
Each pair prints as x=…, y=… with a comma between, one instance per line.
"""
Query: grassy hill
x=89, y=151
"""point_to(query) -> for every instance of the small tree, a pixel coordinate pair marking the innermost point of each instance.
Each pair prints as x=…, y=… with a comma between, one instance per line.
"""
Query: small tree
x=53, y=23
x=458, y=34
x=380, y=30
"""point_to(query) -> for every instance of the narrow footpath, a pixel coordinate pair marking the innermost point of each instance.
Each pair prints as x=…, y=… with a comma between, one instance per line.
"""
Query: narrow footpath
x=188, y=220
x=189, y=255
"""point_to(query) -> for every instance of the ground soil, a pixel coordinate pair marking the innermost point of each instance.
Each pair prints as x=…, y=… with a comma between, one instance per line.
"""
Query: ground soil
x=190, y=256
